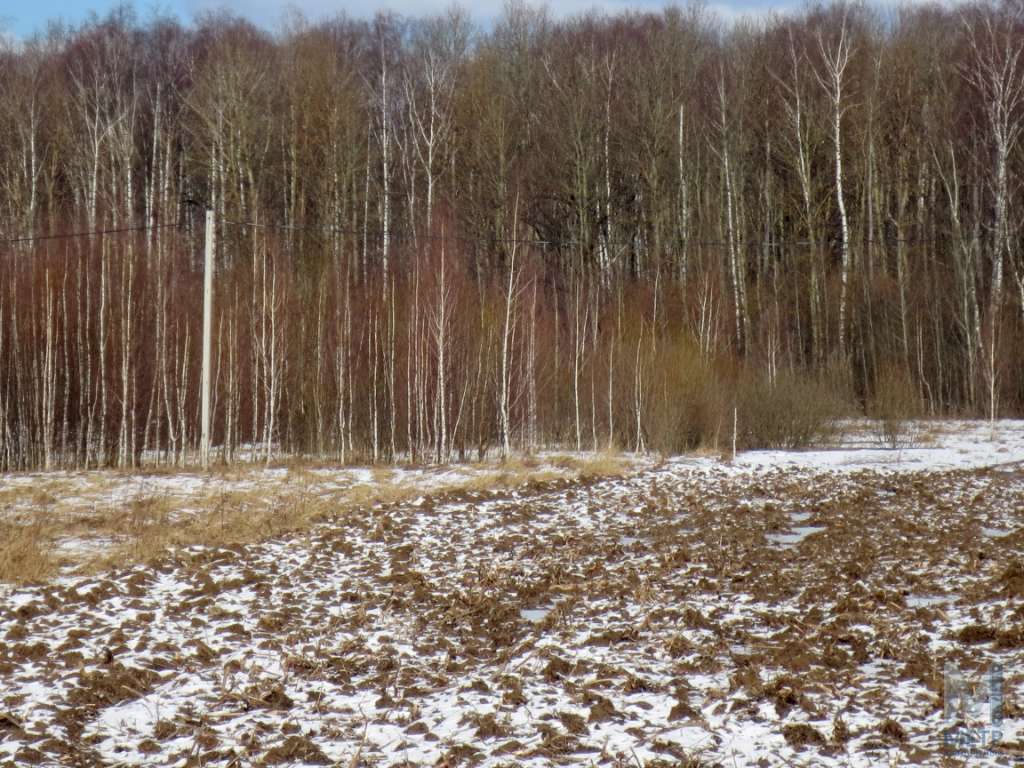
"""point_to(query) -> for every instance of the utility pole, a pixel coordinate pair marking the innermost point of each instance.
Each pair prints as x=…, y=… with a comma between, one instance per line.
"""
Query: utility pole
x=204, y=447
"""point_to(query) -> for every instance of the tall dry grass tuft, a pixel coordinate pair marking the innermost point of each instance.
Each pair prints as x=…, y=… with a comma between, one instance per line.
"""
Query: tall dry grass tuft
x=24, y=554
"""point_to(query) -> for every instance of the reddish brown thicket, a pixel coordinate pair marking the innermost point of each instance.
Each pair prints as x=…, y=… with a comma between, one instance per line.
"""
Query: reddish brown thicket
x=435, y=241
x=100, y=353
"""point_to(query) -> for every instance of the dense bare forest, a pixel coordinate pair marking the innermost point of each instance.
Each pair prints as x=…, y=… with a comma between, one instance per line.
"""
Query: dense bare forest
x=434, y=240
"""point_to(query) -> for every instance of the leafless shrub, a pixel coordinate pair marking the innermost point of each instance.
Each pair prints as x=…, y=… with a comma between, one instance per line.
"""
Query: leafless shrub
x=894, y=406
x=793, y=411
x=688, y=409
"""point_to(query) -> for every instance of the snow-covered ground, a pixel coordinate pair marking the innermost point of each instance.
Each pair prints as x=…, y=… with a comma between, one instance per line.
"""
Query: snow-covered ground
x=924, y=446
x=782, y=609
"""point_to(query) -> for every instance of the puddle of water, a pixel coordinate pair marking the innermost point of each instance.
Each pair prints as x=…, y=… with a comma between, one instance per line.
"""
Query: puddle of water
x=795, y=536
x=799, y=517
x=535, y=615
x=994, y=533
x=926, y=601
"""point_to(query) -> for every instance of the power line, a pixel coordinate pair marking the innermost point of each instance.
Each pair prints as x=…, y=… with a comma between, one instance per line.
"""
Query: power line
x=395, y=234
x=774, y=243
x=90, y=233
x=406, y=235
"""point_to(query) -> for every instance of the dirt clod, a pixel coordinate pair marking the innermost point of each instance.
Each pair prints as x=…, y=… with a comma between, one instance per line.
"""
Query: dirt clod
x=295, y=749
x=892, y=731
x=802, y=734
x=976, y=633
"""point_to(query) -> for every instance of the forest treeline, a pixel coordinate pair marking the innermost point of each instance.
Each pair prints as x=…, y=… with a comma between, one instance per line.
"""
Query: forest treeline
x=434, y=240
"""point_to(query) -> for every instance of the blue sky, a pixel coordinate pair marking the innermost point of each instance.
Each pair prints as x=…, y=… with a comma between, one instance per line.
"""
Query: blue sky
x=23, y=17
x=20, y=18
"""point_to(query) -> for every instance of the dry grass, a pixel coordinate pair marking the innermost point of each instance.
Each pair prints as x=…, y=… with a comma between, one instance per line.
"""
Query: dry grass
x=520, y=469
x=928, y=434
x=606, y=463
x=23, y=552
x=39, y=494
x=101, y=524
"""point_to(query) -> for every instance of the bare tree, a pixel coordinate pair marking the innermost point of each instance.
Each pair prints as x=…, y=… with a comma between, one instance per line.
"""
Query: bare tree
x=997, y=72
x=835, y=59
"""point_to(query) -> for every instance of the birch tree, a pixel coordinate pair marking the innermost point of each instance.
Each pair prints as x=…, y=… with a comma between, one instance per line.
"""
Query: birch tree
x=834, y=60
x=997, y=73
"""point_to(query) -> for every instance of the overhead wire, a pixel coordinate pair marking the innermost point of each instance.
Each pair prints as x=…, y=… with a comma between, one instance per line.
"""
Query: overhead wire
x=87, y=233
x=400, y=234
x=407, y=235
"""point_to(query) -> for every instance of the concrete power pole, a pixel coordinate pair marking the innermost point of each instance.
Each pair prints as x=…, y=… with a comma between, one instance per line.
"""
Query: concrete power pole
x=204, y=447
